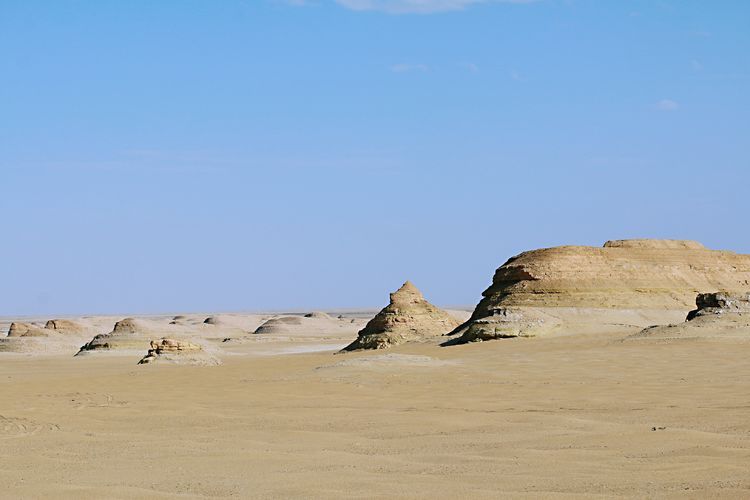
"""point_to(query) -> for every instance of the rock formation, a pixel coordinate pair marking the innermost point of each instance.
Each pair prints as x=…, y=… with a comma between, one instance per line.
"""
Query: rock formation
x=308, y=325
x=719, y=303
x=408, y=317
x=177, y=351
x=32, y=338
x=65, y=325
x=539, y=291
x=20, y=329
x=718, y=315
x=127, y=334
x=318, y=314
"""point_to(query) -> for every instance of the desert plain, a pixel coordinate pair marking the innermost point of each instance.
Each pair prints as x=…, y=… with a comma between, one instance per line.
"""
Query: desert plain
x=576, y=376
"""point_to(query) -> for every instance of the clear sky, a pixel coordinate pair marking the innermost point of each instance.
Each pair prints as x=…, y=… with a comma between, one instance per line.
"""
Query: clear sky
x=266, y=154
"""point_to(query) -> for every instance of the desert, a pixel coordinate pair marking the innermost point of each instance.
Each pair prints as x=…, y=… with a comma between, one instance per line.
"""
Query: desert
x=612, y=386
x=374, y=249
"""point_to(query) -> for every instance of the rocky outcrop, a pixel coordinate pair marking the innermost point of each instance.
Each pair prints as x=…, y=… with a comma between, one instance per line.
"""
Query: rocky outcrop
x=127, y=335
x=408, y=317
x=65, y=326
x=718, y=303
x=32, y=338
x=179, y=352
x=538, y=292
x=718, y=316
x=20, y=329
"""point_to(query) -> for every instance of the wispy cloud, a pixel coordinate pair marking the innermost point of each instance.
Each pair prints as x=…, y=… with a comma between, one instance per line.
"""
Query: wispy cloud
x=696, y=65
x=404, y=67
x=667, y=105
x=417, y=6
x=470, y=67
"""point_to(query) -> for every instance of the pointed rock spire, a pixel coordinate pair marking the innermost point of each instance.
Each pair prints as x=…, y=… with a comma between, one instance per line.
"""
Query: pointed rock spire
x=408, y=317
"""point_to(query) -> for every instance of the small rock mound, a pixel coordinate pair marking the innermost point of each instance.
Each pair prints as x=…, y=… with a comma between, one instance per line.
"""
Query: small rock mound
x=718, y=315
x=283, y=324
x=408, y=317
x=179, y=352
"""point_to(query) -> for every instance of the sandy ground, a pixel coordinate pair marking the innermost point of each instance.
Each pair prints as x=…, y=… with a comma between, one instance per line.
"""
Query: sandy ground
x=570, y=417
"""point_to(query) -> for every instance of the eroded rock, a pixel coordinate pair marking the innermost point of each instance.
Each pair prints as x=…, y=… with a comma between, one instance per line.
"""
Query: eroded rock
x=179, y=352
x=408, y=317
x=541, y=291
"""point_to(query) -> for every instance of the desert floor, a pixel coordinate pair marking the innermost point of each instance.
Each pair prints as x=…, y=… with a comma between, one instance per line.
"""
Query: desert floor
x=571, y=417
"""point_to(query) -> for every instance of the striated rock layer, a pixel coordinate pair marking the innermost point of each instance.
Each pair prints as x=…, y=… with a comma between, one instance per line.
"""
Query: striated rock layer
x=538, y=291
x=408, y=317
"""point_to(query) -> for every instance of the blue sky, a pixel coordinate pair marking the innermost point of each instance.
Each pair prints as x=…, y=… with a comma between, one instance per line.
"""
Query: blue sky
x=267, y=154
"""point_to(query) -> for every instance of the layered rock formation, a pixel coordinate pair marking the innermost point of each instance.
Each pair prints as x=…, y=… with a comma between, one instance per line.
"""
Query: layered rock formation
x=408, y=317
x=539, y=291
x=179, y=352
x=56, y=336
x=20, y=329
x=127, y=334
x=718, y=315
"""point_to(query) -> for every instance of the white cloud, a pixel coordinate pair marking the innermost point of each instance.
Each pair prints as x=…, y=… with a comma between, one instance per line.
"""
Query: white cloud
x=696, y=65
x=417, y=6
x=515, y=75
x=404, y=67
x=667, y=105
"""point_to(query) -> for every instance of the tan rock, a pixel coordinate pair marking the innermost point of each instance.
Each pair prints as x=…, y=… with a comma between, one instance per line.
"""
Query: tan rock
x=320, y=325
x=127, y=335
x=177, y=351
x=65, y=326
x=408, y=317
x=655, y=278
x=718, y=316
x=20, y=329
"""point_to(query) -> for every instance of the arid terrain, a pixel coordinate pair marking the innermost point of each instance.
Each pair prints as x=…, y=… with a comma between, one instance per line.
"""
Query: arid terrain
x=583, y=400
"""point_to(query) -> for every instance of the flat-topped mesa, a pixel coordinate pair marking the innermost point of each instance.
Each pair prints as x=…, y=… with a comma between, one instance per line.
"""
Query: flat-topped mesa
x=661, y=244
x=717, y=303
x=408, y=317
x=652, y=277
